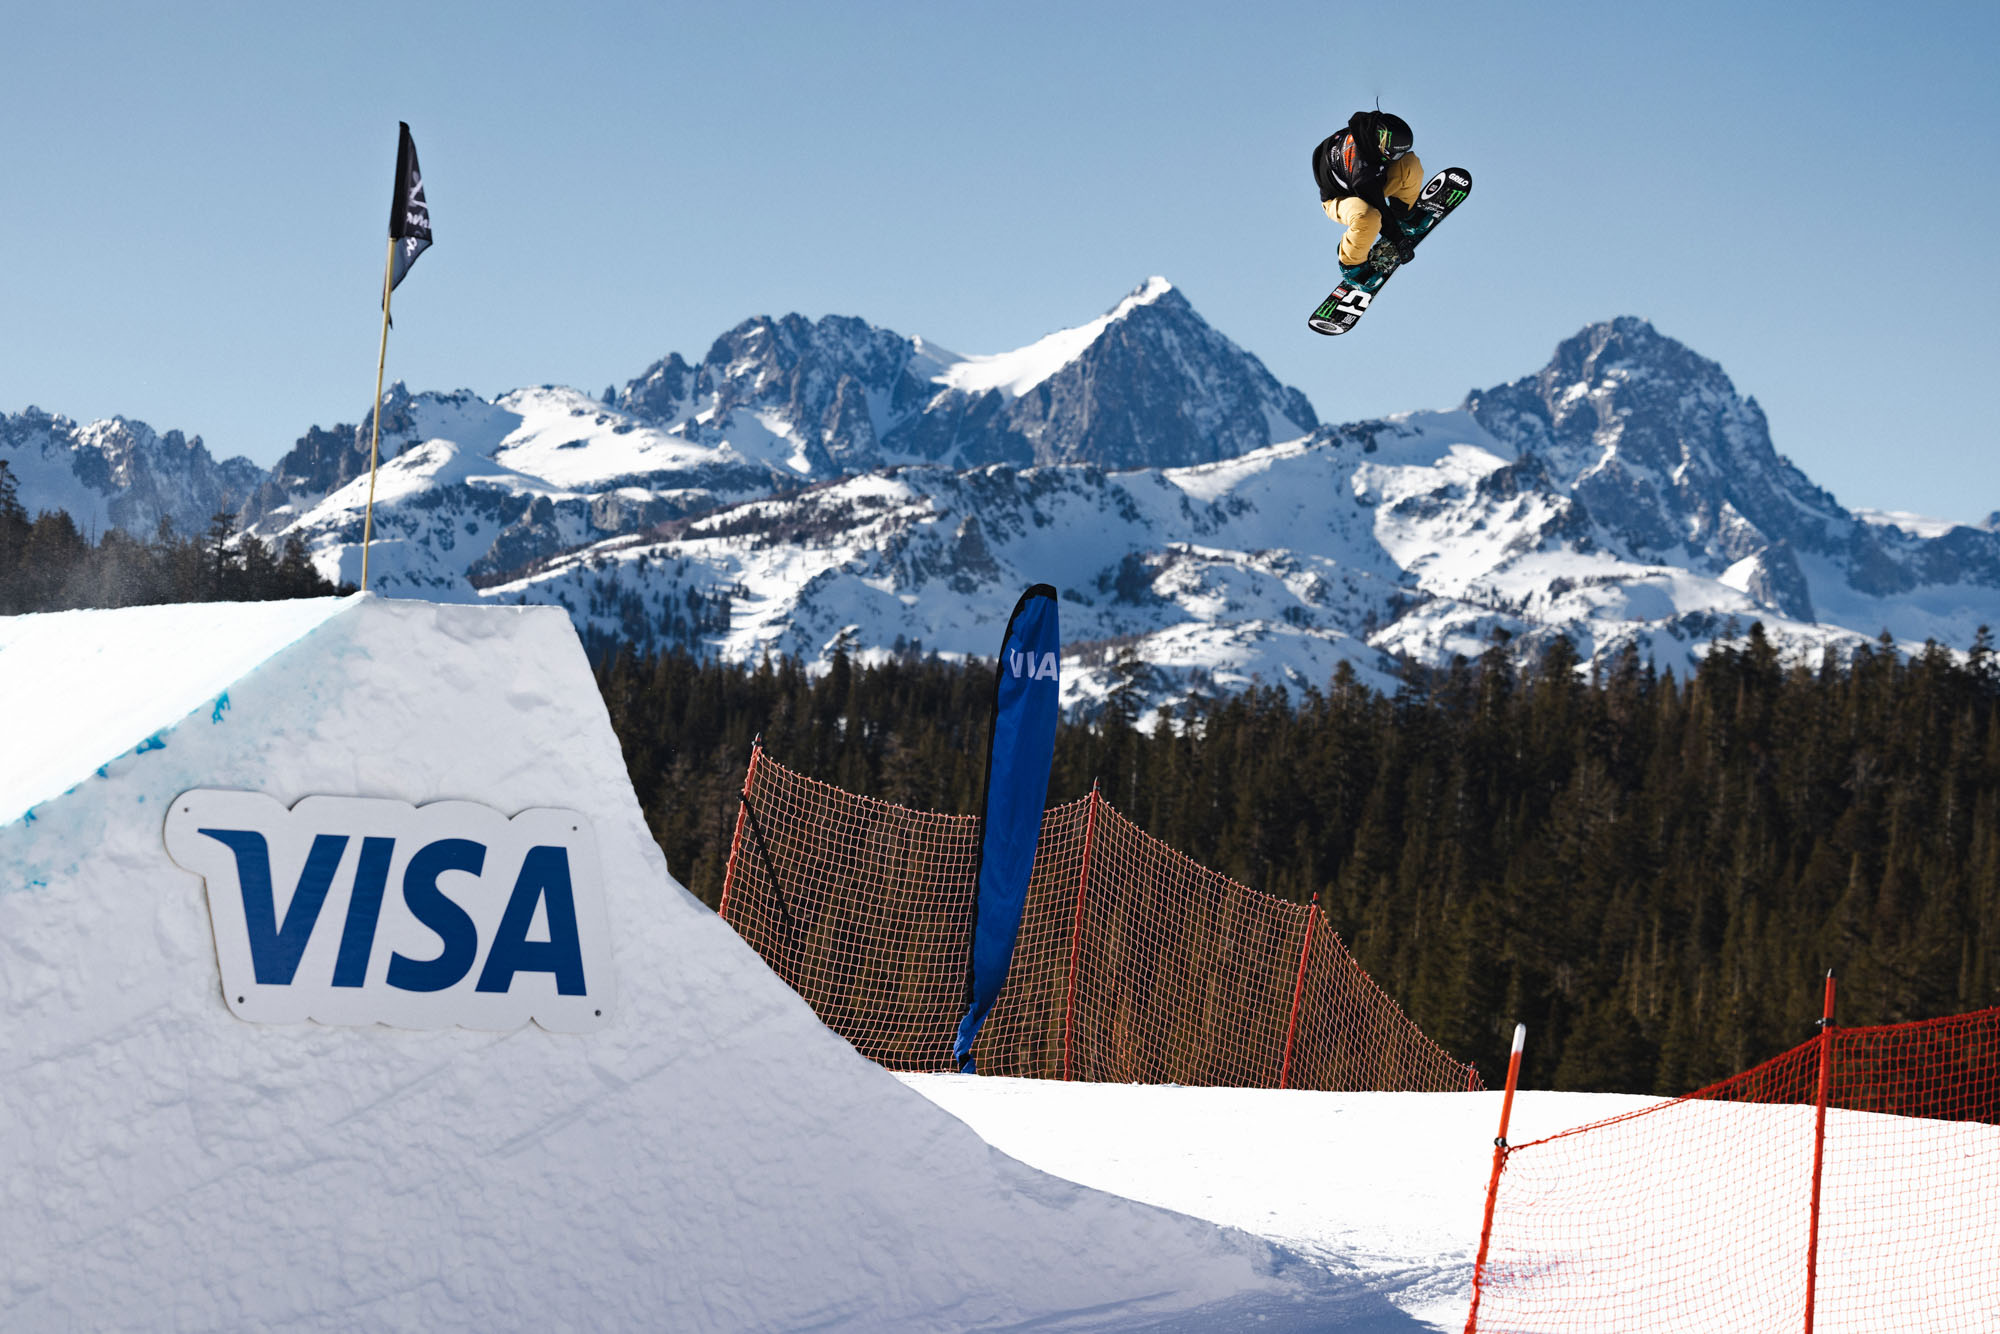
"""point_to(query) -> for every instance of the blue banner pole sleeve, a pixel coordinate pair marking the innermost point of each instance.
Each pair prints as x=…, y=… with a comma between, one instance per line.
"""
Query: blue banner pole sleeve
x=1025, y=698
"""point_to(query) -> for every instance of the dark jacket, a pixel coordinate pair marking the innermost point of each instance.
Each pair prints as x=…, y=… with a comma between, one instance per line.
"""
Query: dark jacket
x=1348, y=163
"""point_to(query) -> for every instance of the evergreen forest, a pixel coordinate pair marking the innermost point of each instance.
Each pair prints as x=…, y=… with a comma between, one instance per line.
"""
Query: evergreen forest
x=48, y=564
x=1653, y=873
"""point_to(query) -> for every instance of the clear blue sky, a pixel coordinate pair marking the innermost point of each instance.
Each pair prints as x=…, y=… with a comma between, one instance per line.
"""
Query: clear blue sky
x=197, y=198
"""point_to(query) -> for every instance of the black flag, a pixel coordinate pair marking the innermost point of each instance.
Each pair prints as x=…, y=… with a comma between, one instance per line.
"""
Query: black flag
x=409, y=215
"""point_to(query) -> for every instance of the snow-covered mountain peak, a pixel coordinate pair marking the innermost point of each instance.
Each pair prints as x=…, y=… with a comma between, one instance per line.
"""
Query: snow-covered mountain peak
x=1671, y=462
x=460, y=416
x=120, y=473
x=1014, y=373
x=809, y=475
x=1147, y=383
x=1577, y=409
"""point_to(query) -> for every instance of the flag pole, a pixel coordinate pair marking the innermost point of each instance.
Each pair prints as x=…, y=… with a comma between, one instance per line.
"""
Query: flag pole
x=1500, y=1151
x=375, y=444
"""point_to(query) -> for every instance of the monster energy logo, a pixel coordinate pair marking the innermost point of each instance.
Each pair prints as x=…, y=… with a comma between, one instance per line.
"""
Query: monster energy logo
x=1452, y=198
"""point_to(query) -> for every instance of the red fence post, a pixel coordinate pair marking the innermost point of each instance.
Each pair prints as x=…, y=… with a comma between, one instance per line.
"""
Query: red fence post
x=1298, y=990
x=1819, y=1144
x=1493, y=1182
x=1076, y=926
x=736, y=842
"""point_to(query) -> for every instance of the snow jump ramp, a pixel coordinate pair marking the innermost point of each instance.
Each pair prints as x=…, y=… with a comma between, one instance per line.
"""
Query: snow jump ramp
x=690, y=1150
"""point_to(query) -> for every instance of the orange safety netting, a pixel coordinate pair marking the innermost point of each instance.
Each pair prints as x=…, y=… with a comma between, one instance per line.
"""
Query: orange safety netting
x=1699, y=1213
x=1133, y=963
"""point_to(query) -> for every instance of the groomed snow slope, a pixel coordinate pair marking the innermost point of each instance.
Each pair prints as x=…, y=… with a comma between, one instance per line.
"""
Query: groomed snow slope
x=50, y=664
x=714, y=1159
x=1391, y=1184
x=1392, y=1187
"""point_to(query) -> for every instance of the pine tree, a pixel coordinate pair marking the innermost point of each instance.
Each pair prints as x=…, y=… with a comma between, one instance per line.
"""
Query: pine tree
x=1653, y=874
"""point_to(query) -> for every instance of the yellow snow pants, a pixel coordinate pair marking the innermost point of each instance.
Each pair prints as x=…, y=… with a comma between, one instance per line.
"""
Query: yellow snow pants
x=1362, y=219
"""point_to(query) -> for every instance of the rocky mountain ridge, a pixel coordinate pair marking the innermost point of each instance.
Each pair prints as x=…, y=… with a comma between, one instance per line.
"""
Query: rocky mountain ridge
x=810, y=481
x=117, y=473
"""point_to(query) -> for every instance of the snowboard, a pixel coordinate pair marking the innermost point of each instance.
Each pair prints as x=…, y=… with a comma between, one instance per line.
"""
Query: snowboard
x=1347, y=303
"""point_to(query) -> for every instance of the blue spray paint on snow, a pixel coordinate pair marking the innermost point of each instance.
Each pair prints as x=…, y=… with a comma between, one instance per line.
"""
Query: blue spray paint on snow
x=221, y=707
x=154, y=742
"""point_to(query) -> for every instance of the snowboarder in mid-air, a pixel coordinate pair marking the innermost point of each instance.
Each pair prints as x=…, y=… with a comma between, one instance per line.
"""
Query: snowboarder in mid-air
x=1372, y=184
x=1368, y=176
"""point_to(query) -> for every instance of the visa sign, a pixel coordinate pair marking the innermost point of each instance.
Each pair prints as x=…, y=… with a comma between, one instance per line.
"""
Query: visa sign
x=356, y=910
x=1034, y=668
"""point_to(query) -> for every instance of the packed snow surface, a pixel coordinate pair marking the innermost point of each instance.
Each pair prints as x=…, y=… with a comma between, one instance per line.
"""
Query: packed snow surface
x=67, y=681
x=713, y=1159
x=1391, y=1188
x=1389, y=1184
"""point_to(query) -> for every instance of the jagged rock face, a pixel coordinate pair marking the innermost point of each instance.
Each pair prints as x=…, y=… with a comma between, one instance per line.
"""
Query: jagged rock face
x=1623, y=496
x=960, y=429
x=321, y=462
x=930, y=553
x=533, y=534
x=1777, y=582
x=1155, y=387
x=324, y=460
x=659, y=394
x=819, y=379
x=119, y=473
x=837, y=386
x=807, y=477
x=1672, y=464
x=1656, y=442
x=1158, y=389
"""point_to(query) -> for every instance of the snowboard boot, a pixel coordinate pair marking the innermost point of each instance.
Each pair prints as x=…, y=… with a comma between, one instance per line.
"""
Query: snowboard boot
x=1411, y=224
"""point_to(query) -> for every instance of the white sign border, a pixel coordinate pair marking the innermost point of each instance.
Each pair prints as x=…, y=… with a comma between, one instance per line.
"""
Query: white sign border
x=309, y=996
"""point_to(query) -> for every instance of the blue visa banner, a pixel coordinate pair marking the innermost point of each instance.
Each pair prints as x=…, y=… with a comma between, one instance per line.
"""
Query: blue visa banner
x=1017, y=788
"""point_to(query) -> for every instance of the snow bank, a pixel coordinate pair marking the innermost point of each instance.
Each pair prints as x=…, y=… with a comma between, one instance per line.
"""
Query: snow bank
x=1388, y=1186
x=713, y=1158
x=68, y=682
x=1392, y=1186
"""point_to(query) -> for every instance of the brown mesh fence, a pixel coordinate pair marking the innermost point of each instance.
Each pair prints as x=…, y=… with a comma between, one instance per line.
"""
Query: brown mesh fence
x=1759, y=1204
x=1133, y=963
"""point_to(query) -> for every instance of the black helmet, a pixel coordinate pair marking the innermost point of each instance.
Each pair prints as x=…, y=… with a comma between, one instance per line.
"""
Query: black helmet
x=1391, y=135
x=1381, y=135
